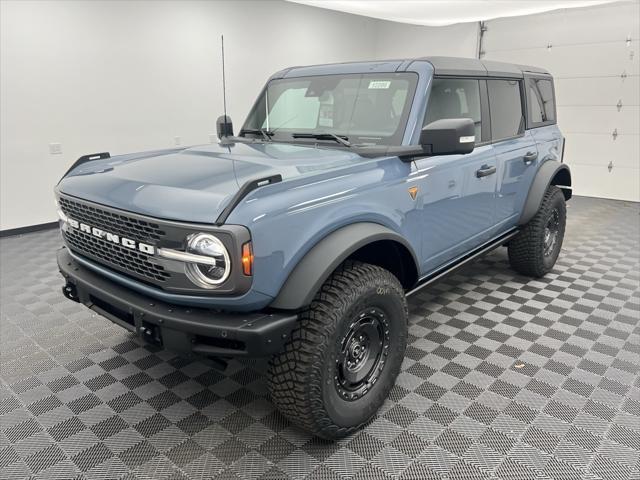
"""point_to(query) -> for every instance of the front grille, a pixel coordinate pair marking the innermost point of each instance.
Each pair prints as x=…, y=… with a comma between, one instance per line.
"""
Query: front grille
x=117, y=223
x=108, y=253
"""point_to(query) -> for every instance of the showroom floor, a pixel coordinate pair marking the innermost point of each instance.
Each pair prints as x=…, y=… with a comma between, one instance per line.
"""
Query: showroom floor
x=505, y=377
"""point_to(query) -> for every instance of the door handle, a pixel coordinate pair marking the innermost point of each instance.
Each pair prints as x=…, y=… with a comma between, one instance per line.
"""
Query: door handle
x=530, y=157
x=485, y=171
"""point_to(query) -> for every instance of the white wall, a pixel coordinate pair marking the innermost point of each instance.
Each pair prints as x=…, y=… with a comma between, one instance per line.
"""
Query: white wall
x=399, y=40
x=130, y=76
x=588, y=55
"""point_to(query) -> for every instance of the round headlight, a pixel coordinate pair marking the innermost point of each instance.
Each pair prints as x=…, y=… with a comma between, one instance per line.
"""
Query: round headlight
x=210, y=274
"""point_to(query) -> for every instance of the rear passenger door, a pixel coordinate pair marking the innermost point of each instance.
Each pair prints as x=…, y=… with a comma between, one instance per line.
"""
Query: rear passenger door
x=456, y=192
x=514, y=147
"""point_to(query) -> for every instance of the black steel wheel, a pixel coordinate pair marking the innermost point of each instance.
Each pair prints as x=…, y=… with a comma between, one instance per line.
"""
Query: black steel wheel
x=551, y=232
x=535, y=249
x=343, y=358
x=365, y=348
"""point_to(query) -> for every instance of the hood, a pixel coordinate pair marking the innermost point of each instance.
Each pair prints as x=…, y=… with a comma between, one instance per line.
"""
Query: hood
x=193, y=184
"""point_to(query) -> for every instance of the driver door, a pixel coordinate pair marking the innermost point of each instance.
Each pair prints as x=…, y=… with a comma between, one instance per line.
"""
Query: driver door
x=456, y=193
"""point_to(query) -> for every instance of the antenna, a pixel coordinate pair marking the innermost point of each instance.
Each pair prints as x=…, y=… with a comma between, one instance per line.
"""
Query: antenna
x=223, y=124
x=224, y=83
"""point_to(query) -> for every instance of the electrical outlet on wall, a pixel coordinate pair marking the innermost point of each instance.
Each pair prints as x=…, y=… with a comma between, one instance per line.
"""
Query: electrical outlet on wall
x=177, y=140
x=55, y=148
x=213, y=138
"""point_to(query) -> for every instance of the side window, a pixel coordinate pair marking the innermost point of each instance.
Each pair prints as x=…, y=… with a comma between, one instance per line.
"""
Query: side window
x=455, y=98
x=541, y=103
x=505, y=104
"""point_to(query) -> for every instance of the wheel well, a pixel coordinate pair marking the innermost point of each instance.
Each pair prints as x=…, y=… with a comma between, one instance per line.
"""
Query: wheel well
x=392, y=256
x=562, y=179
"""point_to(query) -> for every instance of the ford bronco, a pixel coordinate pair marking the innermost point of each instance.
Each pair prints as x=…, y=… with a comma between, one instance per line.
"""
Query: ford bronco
x=349, y=187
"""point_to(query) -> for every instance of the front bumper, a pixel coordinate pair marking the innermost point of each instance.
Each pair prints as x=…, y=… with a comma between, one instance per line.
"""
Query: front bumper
x=186, y=330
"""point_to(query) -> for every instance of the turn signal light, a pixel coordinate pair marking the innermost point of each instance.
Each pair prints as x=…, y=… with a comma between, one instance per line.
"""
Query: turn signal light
x=247, y=259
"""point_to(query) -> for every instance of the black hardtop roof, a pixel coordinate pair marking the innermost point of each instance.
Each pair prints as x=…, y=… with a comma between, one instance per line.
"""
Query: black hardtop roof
x=441, y=65
x=474, y=66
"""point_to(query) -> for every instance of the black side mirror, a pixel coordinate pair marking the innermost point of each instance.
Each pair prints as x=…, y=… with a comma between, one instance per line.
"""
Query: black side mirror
x=224, y=126
x=449, y=136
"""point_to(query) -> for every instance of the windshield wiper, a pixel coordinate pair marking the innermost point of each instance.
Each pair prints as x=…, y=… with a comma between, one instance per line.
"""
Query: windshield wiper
x=324, y=136
x=266, y=134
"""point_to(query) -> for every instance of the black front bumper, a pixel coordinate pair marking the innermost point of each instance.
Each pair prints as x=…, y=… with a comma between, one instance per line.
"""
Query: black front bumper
x=182, y=329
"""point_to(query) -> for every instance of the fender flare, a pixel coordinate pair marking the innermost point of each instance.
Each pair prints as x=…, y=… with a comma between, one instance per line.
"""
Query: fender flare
x=325, y=256
x=545, y=175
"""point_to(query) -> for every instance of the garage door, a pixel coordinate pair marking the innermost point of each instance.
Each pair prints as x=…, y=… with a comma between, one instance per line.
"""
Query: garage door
x=596, y=70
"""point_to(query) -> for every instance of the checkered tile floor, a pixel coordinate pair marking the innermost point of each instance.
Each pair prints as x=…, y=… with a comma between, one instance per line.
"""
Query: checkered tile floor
x=505, y=377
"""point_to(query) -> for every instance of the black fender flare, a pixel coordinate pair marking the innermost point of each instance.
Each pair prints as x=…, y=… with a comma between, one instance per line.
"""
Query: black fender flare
x=544, y=177
x=325, y=256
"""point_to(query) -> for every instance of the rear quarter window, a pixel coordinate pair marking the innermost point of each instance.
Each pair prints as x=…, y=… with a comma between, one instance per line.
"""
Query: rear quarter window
x=541, y=103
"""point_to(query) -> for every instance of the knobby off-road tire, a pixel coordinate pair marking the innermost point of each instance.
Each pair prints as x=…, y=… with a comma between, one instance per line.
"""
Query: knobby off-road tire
x=535, y=249
x=310, y=379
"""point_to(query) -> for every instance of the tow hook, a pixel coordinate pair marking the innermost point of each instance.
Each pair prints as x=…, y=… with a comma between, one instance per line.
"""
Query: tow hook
x=69, y=291
x=151, y=333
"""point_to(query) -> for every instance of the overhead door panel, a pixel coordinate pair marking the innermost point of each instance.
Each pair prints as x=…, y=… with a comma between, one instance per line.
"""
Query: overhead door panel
x=607, y=90
x=600, y=149
x=619, y=184
x=578, y=60
x=598, y=119
x=568, y=27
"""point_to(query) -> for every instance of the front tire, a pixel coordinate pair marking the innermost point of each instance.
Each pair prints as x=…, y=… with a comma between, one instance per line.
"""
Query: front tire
x=344, y=356
x=534, y=251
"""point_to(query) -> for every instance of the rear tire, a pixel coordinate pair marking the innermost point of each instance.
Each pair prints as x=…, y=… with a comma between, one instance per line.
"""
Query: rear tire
x=534, y=251
x=343, y=358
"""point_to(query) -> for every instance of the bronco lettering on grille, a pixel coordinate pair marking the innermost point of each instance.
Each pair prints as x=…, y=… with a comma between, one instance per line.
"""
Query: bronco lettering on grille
x=112, y=237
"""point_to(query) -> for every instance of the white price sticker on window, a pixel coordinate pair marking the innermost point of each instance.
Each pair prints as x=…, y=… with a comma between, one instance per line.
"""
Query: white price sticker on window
x=376, y=84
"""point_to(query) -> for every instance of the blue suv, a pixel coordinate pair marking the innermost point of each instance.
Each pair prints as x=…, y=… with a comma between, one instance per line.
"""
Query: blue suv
x=349, y=187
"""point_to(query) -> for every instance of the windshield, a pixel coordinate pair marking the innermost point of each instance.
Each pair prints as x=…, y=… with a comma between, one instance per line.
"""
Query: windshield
x=369, y=109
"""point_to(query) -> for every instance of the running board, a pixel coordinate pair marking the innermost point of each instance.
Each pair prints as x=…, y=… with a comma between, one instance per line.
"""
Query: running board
x=461, y=261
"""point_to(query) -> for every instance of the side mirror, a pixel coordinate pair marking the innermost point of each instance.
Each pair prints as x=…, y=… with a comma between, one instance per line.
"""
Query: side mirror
x=449, y=136
x=224, y=126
